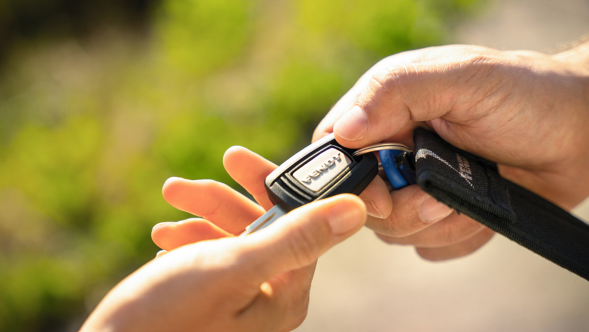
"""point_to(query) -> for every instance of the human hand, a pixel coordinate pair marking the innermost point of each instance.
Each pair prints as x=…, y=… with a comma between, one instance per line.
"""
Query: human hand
x=259, y=282
x=524, y=110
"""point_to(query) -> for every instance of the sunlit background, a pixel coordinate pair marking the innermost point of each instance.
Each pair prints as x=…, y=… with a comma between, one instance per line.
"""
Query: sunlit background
x=101, y=101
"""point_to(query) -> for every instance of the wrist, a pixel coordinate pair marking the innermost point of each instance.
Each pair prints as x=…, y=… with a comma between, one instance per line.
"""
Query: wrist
x=575, y=177
x=577, y=56
x=578, y=60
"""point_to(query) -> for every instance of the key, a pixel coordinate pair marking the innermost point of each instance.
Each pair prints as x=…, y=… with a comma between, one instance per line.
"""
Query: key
x=322, y=169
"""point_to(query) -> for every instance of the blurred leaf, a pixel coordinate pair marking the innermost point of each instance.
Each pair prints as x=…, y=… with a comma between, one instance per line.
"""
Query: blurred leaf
x=201, y=35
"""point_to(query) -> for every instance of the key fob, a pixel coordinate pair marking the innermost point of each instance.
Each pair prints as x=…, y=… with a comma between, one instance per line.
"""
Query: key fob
x=320, y=170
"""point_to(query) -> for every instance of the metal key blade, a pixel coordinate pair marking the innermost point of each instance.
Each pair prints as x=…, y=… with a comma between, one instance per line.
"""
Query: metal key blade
x=265, y=220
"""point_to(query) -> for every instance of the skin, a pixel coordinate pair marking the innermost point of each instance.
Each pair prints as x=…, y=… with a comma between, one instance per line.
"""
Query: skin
x=527, y=111
x=208, y=279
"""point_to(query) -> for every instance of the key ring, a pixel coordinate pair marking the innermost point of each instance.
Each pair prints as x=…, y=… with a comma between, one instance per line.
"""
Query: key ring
x=380, y=147
x=396, y=162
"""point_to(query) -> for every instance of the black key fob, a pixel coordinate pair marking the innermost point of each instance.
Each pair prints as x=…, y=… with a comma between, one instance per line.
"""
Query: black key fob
x=320, y=170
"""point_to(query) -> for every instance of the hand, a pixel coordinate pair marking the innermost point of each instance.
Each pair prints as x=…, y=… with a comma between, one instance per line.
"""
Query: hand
x=209, y=280
x=527, y=111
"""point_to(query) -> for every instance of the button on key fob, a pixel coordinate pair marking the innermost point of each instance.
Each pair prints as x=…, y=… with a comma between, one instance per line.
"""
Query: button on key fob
x=322, y=169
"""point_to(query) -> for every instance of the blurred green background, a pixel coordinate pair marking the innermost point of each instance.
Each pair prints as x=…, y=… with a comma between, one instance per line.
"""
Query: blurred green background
x=101, y=101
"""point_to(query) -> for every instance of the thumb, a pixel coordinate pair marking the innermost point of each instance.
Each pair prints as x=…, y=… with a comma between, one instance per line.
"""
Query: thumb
x=297, y=239
x=421, y=91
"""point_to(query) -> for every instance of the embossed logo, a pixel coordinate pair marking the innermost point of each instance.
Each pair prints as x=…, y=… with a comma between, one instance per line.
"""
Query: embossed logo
x=323, y=168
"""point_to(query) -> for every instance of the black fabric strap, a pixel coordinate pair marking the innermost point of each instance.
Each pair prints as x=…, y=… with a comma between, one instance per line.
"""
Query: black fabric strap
x=473, y=186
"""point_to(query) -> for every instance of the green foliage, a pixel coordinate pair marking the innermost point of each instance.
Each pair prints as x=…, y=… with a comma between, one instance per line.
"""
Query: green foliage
x=199, y=36
x=89, y=134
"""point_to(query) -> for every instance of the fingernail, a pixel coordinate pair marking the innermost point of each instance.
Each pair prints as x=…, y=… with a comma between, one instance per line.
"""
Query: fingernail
x=344, y=218
x=160, y=253
x=371, y=209
x=432, y=210
x=353, y=125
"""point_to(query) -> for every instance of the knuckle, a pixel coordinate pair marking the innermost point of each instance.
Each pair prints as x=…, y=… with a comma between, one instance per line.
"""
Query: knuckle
x=476, y=60
x=390, y=78
x=305, y=244
x=386, y=227
x=213, y=186
x=214, y=189
x=400, y=224
x=377, y=81
x=395, y=230
x=318, y=133
x=476, y=67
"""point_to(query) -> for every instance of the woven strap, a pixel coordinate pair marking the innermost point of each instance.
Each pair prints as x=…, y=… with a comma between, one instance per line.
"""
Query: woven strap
x=472, y=185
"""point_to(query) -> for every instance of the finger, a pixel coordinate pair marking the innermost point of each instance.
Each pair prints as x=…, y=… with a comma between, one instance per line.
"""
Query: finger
x=422, y=91
x=377, y=199
x=412, y=211
x=249, y=170
x=325, y=127
x=448, y=231
x=213, y=201
x=171, y=235
x=292, y=244
x=347, y=101
x=301, y=236
x=459, y=249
